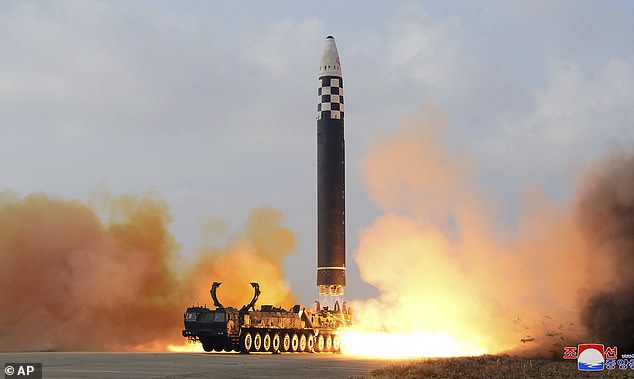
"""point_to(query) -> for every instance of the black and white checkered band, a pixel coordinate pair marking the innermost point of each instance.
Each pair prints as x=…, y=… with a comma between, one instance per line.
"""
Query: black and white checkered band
x=330, y=97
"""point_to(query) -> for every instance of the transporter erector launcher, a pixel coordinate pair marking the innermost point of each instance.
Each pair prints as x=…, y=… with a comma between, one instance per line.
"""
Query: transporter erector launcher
x=331, y=224
x=299, y=329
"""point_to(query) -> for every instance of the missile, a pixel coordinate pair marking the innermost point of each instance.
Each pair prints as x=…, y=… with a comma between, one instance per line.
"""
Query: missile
x=331, y=223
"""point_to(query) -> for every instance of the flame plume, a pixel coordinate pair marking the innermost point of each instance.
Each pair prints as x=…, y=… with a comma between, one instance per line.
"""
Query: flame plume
x=453, y=281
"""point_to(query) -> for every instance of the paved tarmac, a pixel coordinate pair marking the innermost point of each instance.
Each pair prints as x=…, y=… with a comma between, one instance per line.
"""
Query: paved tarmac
x=196, y=365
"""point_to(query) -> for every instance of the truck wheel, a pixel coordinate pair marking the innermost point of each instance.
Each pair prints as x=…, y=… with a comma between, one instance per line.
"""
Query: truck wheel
x=275, y=343
x=302, y=343
x=266, y=342
x=294, y=342
x=257, y=342
x=321, y=343
x=207, y=346
x=336, y=344
x=247, y=342
x=328, y=346
x=310, y=343
x=286, y=342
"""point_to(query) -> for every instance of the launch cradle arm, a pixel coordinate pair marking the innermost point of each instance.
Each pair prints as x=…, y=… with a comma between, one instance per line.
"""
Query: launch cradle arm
x=214, y=287
x=256, y=294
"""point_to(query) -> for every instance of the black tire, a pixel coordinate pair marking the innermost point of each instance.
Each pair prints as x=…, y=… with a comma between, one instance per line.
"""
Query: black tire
x=207, y=345
x=286, y=342
x=310, y=343
x=328, y=347
x=302, y=343
x=257, y=342
x=294, y=343
x=320, y=343
x=336, y=343
x=266, y=342
x=275, y=343
x=246, y=342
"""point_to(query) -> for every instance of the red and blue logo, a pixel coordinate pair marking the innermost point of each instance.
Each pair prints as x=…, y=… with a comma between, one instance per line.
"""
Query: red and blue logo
x=590, y=356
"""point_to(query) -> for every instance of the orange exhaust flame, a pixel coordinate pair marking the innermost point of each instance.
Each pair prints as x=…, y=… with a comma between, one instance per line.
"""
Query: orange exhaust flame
x=397, y=345
x=452, y=279
x=186, y=348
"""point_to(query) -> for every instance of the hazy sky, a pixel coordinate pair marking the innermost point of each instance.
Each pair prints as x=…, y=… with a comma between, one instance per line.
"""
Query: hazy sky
x=213, y=103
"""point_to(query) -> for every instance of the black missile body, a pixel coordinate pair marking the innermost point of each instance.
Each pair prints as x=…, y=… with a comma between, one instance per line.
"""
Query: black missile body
x=331, y=228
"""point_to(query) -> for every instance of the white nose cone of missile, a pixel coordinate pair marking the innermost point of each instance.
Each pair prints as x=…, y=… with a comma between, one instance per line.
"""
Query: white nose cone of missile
x=330, y=65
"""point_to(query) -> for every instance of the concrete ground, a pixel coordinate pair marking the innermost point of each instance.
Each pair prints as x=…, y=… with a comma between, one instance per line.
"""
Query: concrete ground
x=196, y=365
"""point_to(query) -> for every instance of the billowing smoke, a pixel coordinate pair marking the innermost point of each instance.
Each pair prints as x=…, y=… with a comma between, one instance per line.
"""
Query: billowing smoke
x=255, y=255
x=70, y=281
x=605, y=210
x=445, y=264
